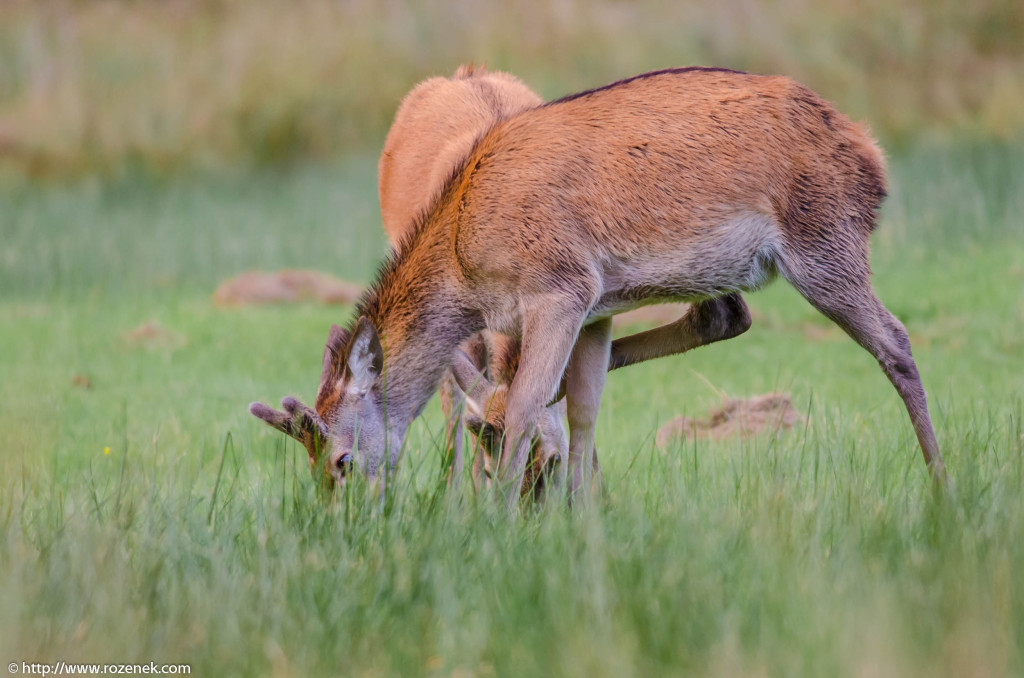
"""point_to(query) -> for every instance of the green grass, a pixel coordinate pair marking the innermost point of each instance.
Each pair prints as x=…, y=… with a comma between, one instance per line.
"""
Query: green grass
x=820, y=551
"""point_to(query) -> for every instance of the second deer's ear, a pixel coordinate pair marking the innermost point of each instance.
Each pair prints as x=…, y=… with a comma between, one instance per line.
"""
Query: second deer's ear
x=475, y=385
x=365, y=358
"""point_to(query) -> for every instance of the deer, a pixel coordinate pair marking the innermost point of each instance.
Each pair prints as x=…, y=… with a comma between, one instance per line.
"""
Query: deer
x=434, y=128
x=686, y=184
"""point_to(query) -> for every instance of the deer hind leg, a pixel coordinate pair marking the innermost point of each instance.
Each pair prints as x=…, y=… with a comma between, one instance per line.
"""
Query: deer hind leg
x=705, y=322
x=842, y=291
x=585, y=376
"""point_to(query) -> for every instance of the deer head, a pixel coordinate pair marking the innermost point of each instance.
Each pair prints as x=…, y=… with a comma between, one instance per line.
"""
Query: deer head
x=485, y=417
x=331, y=452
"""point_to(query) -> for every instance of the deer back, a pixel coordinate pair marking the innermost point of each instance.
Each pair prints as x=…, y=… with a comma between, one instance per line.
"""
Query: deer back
x=434, y=130
x=662, y=171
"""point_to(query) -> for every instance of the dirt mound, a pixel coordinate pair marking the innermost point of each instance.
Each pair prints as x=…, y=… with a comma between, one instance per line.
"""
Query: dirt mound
x=285, y=287
x=736, y=417
x=81, y=381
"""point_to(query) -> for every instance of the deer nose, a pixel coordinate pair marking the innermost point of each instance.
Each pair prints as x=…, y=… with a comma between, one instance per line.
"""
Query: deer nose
x=343, y=462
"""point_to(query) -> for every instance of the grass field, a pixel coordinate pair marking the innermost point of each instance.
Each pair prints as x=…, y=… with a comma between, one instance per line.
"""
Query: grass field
x=144, y=515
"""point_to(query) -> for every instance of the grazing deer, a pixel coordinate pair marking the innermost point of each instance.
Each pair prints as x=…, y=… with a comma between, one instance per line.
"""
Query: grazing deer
x=680, y=184
x=433, y=131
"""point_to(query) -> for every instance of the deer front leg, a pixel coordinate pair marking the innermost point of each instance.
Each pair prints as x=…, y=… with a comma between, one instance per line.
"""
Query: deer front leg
x=585, y=376
x=550, y=328
x=453, y=407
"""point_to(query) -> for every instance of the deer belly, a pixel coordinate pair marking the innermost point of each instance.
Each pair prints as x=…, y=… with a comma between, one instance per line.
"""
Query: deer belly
x=738, y=255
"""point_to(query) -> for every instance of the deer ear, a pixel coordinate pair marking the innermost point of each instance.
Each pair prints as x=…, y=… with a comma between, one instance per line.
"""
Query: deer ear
x=475, y=385
x=334, y=361
x=365, y=358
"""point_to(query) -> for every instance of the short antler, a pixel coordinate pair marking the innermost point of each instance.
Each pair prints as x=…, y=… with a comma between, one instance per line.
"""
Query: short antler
x=298, y=421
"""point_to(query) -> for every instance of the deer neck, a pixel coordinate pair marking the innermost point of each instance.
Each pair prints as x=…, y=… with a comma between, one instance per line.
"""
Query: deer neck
x=416, y=306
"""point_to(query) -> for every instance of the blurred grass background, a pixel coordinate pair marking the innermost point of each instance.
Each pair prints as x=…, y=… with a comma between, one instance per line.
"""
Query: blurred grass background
x=110, y=86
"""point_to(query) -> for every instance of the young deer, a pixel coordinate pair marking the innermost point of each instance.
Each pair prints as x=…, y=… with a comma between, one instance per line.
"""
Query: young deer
x=434, y=129
x=680, y=184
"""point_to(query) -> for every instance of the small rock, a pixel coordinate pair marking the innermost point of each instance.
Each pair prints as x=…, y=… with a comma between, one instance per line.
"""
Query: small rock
x=151, y=335
x=736, y=417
